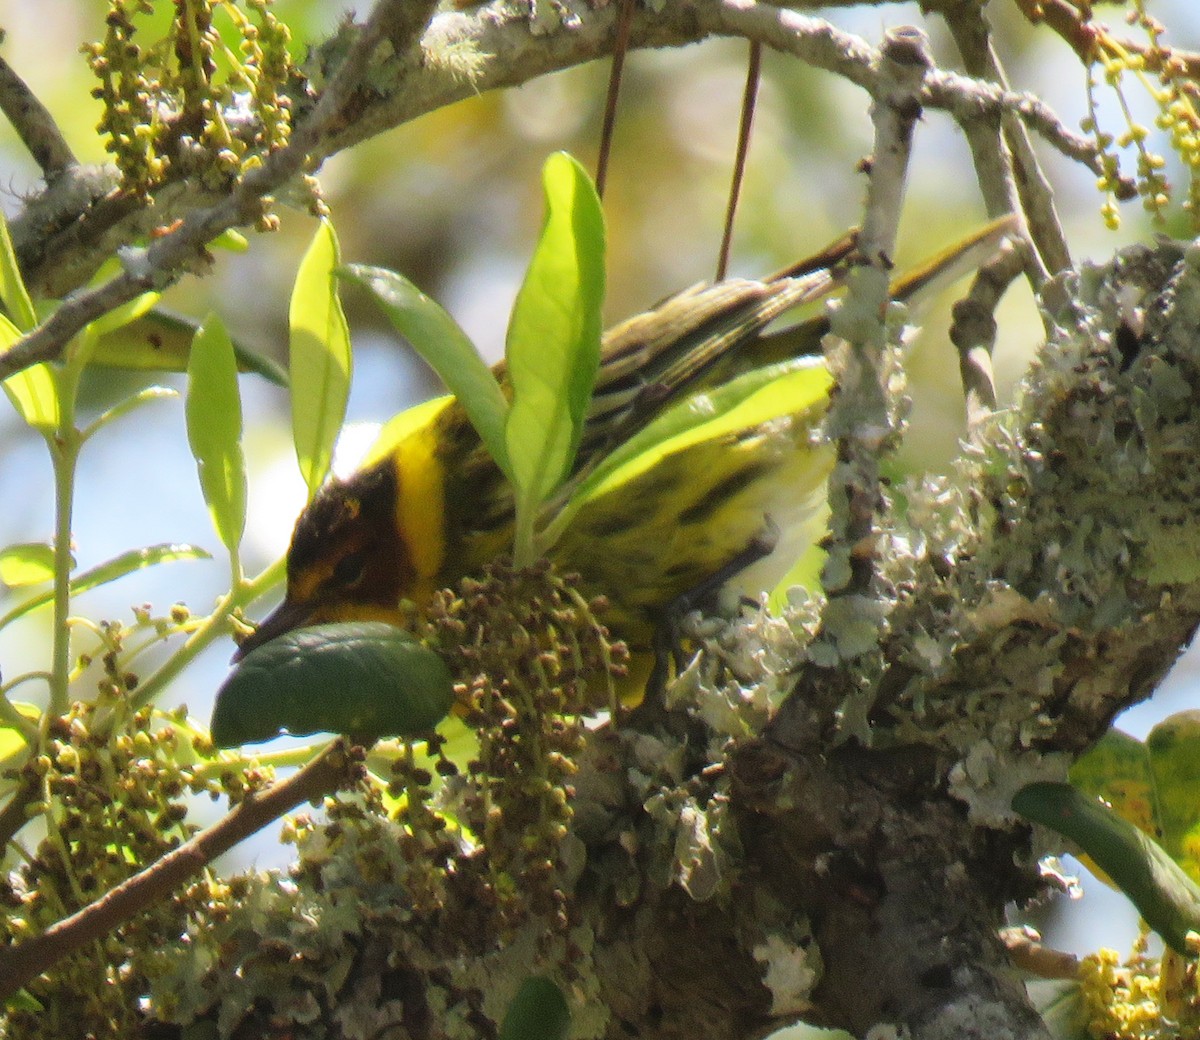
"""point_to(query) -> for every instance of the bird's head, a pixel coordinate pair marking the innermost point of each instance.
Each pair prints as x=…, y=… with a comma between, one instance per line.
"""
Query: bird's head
x=347, y=560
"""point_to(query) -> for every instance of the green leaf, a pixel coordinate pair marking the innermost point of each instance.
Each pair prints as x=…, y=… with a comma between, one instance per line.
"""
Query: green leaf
x=214, y=426
x=786, y=388
x=27, y=563
x=553, y=345
x=538, y=1012
x=16, y=739
x=34, y=391
x=23, y=1000
x=1152, y=784
x=364, y=679
x=121, y=316
x=160, y=341
x=1164, y=895
x=12, y=741
x=129, y=404
x=448, y=350
x=111, y=570
x=231, y=241
x=12, y=287
x=319, y=349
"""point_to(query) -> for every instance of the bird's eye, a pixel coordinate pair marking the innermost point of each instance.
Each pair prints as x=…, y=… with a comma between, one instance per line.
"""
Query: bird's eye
x=349, y=569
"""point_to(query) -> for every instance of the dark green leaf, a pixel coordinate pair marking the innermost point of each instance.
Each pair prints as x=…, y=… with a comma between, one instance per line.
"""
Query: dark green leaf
x=364, y=679
x=448, y=350
x=111, y=570
x=214, y=426
x=1165, y=896
x=319, y=350
x=538, y=1012
x=553, y=346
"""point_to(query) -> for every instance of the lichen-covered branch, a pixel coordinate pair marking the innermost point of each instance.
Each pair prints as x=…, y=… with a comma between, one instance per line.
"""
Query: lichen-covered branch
x=62, y=237
x=719, y=873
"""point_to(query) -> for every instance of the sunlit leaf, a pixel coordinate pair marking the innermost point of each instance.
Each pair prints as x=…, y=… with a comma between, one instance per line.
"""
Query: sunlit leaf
x=34, y=391
x=129, y=404
x=231, y=240
x=319, y=351
x=13, y=740
x=111, y=570
x=1152, y=783
x=214, y=426
x=787, y=388
x=439, y=339
x=12, y=286
x=553, y=345
x=364, y=679
x=27, y=563
x=121, y=316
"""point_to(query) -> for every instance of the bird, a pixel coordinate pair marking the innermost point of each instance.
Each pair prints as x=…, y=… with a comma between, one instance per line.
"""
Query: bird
x=733, y=502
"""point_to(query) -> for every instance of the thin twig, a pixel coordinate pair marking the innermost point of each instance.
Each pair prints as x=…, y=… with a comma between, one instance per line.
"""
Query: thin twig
x=21, y=963
x=749, y=97
x=973, y=332
x=620, y=47
x=504, y=53
x=1080, y=33
x=34, y=124
x=1023, y=179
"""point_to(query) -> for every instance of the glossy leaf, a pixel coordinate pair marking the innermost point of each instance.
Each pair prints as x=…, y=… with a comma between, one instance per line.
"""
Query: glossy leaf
x=553, y=345
x=440, y=340
x=364, y=679
x=34, y=391
x=214, y=427
x=160, y=341
x=111, y=570
x=1164, y=895
x=538, y=1012
x=27, y=563
x=319, y=352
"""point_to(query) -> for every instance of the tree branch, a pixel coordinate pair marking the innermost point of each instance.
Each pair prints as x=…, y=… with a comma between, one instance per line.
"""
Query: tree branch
x=164, y=261
x=19, y=964
x=34, y=124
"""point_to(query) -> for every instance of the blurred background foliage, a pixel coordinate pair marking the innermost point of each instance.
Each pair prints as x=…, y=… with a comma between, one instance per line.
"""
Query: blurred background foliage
x=453, y=201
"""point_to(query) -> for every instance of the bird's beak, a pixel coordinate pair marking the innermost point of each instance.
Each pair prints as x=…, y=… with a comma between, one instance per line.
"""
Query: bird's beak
x=288, y=615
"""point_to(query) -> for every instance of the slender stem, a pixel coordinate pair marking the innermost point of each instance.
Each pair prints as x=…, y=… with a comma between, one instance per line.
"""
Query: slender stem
x=749, y=98
x=64, y=452
x=216, y=624
x=620, y=47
